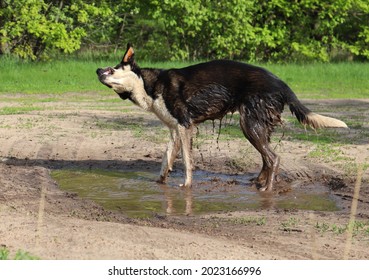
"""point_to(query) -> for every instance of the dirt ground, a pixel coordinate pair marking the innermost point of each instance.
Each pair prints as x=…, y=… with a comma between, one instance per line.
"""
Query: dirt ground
x=41, y=133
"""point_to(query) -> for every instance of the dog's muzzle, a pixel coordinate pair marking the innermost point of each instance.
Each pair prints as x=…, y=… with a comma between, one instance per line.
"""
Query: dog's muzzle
x=103, y=73
x=106, y=71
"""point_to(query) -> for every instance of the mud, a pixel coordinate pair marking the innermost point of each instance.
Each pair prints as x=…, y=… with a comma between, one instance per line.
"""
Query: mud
x=137, y=195
x=43, y=136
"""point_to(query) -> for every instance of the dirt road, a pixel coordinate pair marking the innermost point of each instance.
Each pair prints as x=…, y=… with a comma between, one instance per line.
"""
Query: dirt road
x=41, y=133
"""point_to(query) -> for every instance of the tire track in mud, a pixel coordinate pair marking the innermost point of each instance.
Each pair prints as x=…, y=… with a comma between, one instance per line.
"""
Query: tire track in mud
x=7, y=146
x=66, y=149
x=43, y=185
x=45, y=151
x=23, y=148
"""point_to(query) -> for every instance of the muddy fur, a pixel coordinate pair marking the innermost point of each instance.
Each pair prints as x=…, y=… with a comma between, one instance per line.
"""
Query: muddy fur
x=182, y=98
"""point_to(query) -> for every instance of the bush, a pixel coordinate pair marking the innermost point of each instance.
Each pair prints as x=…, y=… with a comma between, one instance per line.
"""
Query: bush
x=256, y=30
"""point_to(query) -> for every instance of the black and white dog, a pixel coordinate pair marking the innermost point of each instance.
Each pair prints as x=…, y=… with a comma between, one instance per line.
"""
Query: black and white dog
x=182, y=98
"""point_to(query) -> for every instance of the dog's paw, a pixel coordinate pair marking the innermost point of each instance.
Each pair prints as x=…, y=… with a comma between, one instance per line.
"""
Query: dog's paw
x=266, y=188
x=161, y=180
x=185, y=186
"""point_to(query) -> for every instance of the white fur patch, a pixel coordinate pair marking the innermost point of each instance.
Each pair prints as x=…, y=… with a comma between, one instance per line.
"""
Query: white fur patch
x=161, y=111
x=125, y=80
x=122, y=80
x=319, y=121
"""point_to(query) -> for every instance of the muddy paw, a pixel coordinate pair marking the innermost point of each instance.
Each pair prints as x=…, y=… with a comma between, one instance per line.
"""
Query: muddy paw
x=185, y=186
x=161, y=180
x=266, y=188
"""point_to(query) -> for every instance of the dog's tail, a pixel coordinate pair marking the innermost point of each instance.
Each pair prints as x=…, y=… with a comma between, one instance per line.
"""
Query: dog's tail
x=306, y=117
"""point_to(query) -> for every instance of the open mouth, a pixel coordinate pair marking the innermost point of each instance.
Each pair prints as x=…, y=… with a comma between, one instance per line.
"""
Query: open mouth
x=103, y=74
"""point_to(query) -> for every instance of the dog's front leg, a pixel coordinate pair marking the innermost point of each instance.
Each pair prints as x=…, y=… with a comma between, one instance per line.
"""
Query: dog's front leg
x=169, y=155
x=185, y=136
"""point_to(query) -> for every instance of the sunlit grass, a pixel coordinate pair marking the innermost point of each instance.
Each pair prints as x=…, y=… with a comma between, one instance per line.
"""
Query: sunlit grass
x=18, y=110
x=19, y=255
x=326, y=81
x=48, y=77
x=316, y=80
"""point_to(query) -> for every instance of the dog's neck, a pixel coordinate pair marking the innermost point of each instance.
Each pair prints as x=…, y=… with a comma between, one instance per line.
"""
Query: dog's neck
x=150, y=77
x=141, y=92
x=141, y=99
x=154, y=91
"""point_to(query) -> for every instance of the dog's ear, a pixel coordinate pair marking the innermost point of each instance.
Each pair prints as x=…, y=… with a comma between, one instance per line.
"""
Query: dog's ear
x=129, y=55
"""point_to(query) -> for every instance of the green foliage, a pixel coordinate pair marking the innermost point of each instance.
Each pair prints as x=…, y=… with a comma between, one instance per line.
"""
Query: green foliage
x=197, y=29
x=34, y=28
x=259, y=30
x=256, y=30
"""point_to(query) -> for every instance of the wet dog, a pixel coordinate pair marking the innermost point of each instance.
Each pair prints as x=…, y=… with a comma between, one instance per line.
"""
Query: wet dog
x=182, y=98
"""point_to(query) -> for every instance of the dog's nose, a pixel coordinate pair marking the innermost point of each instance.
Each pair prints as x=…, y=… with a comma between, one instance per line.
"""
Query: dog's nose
x=98, y=71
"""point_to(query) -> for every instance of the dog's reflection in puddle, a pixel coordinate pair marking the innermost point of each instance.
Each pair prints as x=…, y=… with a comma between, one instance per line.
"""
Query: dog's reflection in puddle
x=170, y=200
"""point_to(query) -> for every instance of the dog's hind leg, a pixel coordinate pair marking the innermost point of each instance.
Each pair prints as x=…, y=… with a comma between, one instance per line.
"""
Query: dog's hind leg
x=258, y=135
x=169, y=155
x=185, y=136
x=173, y=149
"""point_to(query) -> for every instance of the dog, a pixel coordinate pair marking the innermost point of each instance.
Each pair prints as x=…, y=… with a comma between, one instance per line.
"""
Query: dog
x=185, y=97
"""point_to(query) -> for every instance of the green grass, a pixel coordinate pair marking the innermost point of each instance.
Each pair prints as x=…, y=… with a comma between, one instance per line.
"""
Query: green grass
x=326, y=81
x=357, y=227
x=318, y=81
x=19, y=255
x=18, y=110
x=49, y=77
x=259, y=221
x=328, y=153
x=292, y=224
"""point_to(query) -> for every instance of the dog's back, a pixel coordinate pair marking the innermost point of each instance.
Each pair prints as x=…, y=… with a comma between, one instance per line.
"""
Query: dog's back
x=239, y=78
x=212, y=89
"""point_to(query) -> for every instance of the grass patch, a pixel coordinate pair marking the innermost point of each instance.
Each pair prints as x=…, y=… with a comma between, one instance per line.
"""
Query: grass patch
x=326, y=137
x=316, y=80
x=49, y=77
x=325, y=81
x=291, y=225
x=328, y=153
x=19, y=255
x=358, y=228
x=259, y=221
x=17, y=110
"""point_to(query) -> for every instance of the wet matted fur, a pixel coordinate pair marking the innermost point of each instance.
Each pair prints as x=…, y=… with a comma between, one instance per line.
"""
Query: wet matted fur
x=182, y=98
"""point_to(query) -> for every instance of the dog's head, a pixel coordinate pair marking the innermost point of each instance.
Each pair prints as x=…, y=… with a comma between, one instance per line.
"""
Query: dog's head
x=124, y=77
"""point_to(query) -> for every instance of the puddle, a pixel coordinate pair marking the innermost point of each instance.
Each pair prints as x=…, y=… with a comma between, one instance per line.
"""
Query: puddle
x=138, y=195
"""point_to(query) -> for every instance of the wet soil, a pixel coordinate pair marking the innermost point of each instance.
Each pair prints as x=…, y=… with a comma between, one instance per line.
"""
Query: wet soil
x=137, y=195
x=46, y=135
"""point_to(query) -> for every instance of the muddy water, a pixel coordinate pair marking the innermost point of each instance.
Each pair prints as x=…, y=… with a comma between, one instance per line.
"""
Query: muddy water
x=138, y=195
